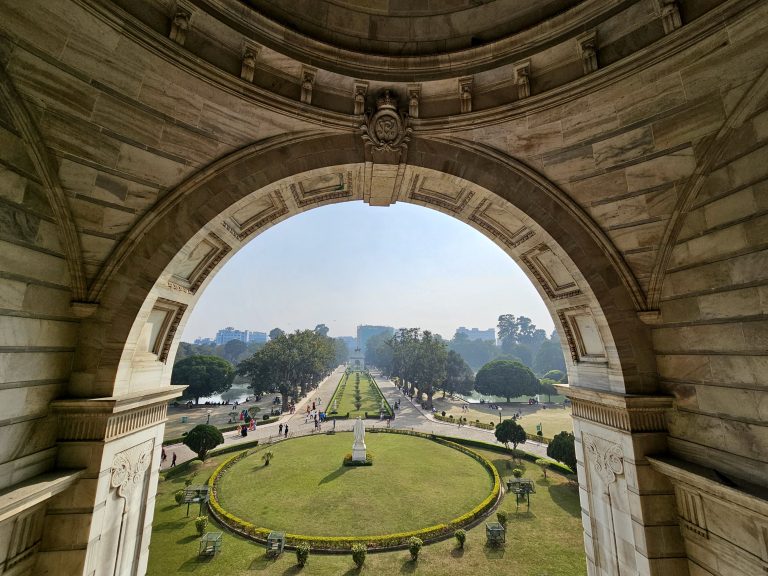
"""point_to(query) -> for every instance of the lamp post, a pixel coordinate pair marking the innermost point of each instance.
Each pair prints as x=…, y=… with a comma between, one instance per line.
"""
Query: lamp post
x=499, y=414
x=208, y=421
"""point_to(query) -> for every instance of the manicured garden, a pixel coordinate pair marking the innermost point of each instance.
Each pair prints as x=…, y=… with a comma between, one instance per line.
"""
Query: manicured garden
x=546, y=540
x=357, y=394
x=328, y=499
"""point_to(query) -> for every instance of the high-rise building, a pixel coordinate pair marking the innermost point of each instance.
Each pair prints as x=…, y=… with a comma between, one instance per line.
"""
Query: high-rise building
x=260, y=337
x=226, y=334
x=204, y=341
x=365, y=332
x=477, y=334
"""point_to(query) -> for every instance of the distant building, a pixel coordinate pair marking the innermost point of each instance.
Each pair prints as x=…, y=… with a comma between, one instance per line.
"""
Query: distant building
x=204, y=341
x=226, y=334
x=259, y=337
x=365, y=332
x=477, y=334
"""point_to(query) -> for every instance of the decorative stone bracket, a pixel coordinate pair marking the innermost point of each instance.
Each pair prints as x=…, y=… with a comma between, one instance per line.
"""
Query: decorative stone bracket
x=105, y=419
x=128, y=468
x=627, y=413
x=386, y=134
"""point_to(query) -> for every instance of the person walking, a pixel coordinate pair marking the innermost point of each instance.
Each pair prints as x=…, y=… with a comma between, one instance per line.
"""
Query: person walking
x=286, y=431
x=163, y=455
x=173, y=460
x=280, y=429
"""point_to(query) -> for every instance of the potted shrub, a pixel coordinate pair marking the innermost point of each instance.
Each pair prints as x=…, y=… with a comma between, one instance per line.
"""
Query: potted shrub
x=359, y=552
x=461, y=537
x=201, y=523
x=414, y=547
x=302, y=554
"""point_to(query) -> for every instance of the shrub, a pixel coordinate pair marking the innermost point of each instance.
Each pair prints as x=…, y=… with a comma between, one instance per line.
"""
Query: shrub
x=563, y=448
x=202, y=438
x=461, y=537
x=414, y=547
x=517, y=473
x=359, y=552
x=443, y=413
x=349, y=462
x=201, y=523
x=267, y=456
x=543, y=464
x=501, y=516
x=179, y=497
x=265, y=417
x=302, y=553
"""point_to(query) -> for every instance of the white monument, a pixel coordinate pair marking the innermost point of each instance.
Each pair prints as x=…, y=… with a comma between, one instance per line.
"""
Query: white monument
x=358, y=448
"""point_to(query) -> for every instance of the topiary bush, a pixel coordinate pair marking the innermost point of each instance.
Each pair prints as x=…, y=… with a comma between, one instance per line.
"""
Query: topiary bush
x=517, y=473
x=302, y=554
x=359, y=552
x=201, y=523
x=501, y=516
x=414, y=547
x=461, y=537
x=179, y=497
x=203, y=438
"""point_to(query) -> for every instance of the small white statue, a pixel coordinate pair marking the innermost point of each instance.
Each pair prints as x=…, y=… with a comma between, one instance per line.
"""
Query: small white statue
x=358, y=448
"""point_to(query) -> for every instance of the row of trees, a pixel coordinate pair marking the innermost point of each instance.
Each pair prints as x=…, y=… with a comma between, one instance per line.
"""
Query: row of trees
x=422, y=361
x=291, y=364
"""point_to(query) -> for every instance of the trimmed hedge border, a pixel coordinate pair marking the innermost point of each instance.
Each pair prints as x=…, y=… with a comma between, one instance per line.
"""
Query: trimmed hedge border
x=340, y=388
x=555, y=465
x=343, y=544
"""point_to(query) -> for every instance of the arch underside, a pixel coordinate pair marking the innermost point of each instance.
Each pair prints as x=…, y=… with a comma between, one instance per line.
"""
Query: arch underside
x=217, y=215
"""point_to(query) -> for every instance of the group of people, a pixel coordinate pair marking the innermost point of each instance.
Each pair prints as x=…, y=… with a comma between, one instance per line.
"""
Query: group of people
x=282, y=430
x=164, y=457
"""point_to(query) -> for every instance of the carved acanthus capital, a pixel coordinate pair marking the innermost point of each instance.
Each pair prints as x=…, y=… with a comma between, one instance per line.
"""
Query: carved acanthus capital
x=387, y=129
x=607, y=458
x=128, y=468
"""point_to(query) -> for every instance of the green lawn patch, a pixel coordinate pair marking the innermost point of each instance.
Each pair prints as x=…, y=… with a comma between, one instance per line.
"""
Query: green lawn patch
x=370, y=401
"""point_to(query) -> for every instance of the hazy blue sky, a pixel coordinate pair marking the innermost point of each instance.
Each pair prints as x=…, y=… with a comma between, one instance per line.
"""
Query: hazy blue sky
x=350, y=264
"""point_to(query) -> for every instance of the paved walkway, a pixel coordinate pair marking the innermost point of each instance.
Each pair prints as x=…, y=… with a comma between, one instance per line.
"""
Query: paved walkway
x=410, y=416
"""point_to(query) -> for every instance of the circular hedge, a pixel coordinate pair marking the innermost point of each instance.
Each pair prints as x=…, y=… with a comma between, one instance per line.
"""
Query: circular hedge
x=436, y=531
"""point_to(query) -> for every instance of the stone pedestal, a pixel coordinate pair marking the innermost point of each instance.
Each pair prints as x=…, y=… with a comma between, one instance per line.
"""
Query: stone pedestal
x=102, y=524
x=628, y=508
x=358, y=453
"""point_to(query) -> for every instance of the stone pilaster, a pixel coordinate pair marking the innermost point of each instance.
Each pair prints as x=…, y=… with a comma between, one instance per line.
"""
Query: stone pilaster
x=628, y=509
x=101, y=524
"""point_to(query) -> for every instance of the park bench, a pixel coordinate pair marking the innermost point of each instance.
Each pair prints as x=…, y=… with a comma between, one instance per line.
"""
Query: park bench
x=210, y=544
x=275, y=543
x=495, y=533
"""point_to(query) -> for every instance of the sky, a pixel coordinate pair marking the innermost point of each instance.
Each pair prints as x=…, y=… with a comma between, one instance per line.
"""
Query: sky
x=349, y=264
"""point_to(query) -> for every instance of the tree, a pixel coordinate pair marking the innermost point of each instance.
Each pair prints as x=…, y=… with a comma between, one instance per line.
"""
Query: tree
x=549, y=357
x=507, y=379
x=275, y=333
x=203, y=438
x=563, y=449
x=322, y=329
x=555, y=375
x=233, y=349
x=204, y=376
x=341, y=351
x=430, y=364
x=458, y=375
x=547, y=386
x=292, y=364
x=508, y=432
x=476, y=353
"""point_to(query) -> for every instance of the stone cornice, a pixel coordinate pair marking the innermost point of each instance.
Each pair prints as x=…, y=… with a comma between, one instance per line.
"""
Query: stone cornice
x=662, y=50
x=104, y=419
x=623, y=412
x=705, y=480
x=417, y=68
x=15, y=500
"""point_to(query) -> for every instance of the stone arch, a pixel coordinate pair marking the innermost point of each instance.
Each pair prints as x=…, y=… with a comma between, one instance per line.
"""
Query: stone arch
x=156, y=274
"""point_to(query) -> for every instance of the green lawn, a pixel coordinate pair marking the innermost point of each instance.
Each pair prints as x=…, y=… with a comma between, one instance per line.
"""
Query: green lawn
x=306, y=490
x=553, y=420
x=370, y=396
x=545, y=542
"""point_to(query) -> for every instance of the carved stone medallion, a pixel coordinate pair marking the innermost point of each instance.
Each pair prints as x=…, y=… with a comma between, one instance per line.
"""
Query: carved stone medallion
x=128, y=468
x=387, y=129
x=606, y=457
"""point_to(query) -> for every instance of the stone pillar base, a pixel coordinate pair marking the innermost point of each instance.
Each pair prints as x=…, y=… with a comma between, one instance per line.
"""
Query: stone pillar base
x=358, y=453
